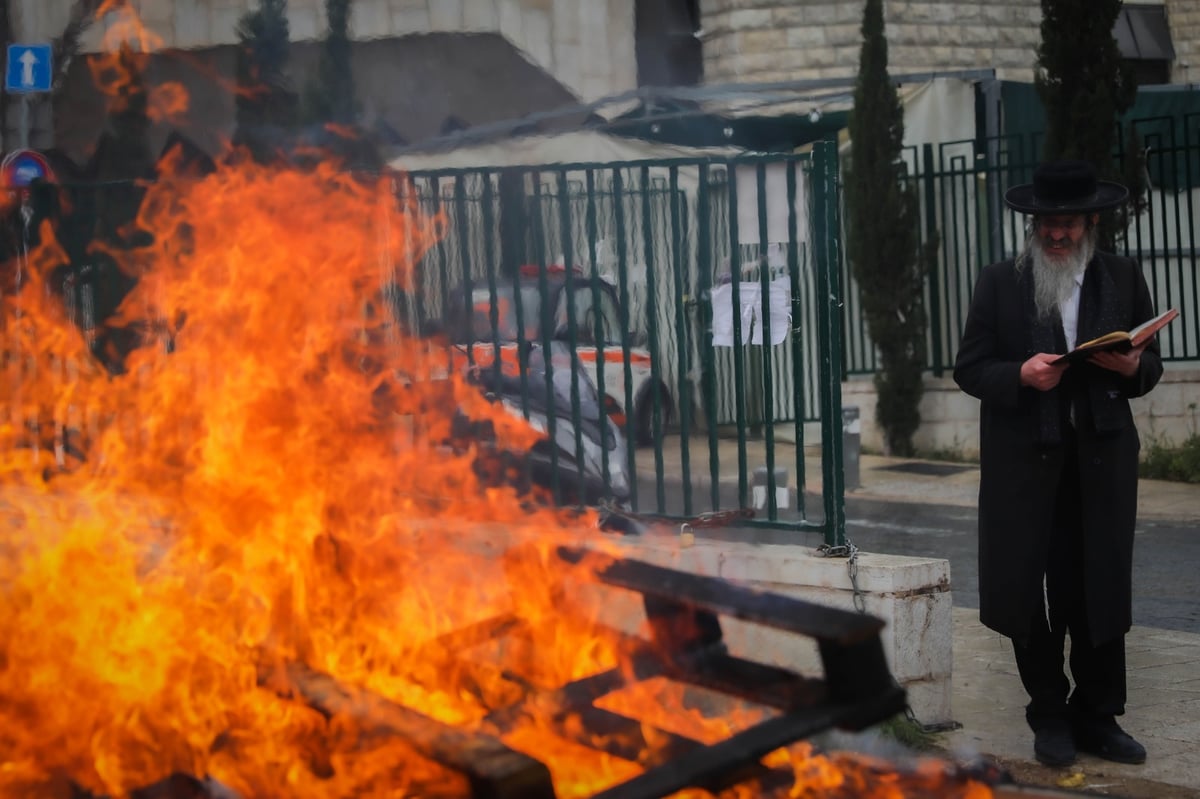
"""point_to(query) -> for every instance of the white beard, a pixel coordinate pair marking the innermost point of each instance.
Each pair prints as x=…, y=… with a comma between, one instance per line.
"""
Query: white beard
x=1054, y=278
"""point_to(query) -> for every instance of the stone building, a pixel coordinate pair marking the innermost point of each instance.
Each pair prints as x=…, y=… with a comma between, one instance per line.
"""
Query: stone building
x=774, y=40
x=459, y=63
x=586, y=46
x=586, y=51
x=590, y=46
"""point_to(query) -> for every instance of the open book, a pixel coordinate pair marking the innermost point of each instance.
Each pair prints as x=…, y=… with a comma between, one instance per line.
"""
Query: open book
x=1119, y=340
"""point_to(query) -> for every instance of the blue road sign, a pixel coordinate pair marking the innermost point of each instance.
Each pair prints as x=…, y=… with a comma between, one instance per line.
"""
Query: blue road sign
x=21, y=168
x=29, y=68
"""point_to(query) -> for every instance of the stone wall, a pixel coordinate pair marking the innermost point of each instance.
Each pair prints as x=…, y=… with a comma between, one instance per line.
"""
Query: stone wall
x=773, y=40
x=1184, y=19
x=587, y=46
x=1168, y=415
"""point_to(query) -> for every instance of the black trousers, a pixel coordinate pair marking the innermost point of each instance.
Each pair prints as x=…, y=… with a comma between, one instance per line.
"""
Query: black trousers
x=1098, y=671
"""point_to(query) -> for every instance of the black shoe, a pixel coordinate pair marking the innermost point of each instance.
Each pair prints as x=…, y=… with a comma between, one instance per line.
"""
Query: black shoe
x=1107, y=740
x=1054, y=746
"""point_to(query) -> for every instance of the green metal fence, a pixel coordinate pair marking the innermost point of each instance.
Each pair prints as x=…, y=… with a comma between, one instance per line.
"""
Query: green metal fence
x=717, y=268
x=961, y=187
x=706, y=289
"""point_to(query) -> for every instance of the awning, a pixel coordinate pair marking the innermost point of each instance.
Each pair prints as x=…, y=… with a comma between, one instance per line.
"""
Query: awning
x=1142, y=33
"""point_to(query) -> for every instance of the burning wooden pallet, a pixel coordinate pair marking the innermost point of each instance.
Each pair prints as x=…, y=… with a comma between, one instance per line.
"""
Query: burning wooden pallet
x=685, y=646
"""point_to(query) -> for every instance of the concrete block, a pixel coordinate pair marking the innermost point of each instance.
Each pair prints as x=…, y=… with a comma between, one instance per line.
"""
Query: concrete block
x=911, y=595
x=930, y=700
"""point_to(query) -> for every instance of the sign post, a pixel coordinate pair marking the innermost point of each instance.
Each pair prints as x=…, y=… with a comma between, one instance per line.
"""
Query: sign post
x=18, y=171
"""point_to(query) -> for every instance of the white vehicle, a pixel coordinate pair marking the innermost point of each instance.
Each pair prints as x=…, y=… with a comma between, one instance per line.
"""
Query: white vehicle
x=596, y=336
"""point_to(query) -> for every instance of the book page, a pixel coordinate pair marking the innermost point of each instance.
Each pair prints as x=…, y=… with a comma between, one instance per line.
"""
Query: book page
x=1119, y=339
x=1107, y=338
x=1146, y=329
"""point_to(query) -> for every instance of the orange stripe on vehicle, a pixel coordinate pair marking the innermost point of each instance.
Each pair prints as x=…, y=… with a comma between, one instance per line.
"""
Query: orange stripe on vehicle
x=614, y=355
x=484, y=355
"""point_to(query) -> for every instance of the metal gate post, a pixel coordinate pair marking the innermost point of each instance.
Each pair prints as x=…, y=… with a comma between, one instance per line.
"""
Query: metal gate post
x=829, y=323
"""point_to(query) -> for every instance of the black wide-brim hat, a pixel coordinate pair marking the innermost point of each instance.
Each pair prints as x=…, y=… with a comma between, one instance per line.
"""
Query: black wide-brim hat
x=1065, y=187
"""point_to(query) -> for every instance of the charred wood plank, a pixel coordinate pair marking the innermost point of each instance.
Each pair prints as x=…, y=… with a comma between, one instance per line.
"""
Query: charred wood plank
x=626, y=738
x=857, y=672
x=754, y=682
x=623, y=737
x=716, y=596
x=575, y=695
x=719, y=765
x=481, y=632
x=493, y=770
x=176, y=786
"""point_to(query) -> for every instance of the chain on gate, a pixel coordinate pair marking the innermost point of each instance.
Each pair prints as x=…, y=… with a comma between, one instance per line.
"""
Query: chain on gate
x=850, y=552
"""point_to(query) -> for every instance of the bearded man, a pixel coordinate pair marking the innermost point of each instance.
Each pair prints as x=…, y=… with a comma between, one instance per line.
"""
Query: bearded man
x=1059, y=459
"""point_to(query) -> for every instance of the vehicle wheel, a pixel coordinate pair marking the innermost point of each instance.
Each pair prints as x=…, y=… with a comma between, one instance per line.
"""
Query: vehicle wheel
x=643, y=419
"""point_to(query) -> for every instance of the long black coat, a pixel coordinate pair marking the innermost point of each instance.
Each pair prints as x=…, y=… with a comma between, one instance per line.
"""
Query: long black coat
x=1019, y=476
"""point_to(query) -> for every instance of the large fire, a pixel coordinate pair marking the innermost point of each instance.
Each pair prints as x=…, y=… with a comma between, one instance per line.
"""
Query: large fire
x=264, y=484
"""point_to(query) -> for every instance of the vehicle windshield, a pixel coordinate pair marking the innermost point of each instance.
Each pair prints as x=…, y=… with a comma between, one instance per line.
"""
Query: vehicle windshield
x=594, y=310
x=479, y=326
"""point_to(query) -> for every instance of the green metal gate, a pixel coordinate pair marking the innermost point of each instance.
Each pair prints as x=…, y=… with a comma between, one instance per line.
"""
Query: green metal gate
x=725, y=279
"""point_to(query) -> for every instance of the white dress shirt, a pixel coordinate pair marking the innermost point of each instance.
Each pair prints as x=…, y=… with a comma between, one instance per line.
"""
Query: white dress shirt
x=1068, y=309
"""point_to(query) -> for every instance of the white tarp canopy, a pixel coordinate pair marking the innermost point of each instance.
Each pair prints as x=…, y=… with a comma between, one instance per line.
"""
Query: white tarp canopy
x=942, y=110
x=573, y=147
x=936, y=111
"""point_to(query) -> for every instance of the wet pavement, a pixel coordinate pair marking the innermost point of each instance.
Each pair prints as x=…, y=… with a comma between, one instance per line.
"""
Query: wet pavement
x=907, y=506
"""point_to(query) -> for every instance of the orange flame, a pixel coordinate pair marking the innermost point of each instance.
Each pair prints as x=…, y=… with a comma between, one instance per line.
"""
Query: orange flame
x=243, y=501
x=267, y=483
x=118, y=70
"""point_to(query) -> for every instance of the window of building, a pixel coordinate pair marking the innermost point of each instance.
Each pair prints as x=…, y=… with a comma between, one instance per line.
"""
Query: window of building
x=668, y=52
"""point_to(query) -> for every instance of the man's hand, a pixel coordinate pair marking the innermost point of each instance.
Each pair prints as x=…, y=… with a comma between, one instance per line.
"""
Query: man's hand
x=1123, y=363
x=1038, y=372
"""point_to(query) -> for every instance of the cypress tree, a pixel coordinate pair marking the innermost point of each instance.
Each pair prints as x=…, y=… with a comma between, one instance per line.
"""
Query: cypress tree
x=1085, y=87
x=68, y=45
x=128, y=121
x=330, y=97
x=122, y=158
x=882, y=243
x=266, y=107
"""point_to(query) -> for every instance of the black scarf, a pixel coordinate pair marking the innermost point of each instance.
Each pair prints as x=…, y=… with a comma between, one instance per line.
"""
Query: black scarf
x=1098, y=314
x=1045, y=335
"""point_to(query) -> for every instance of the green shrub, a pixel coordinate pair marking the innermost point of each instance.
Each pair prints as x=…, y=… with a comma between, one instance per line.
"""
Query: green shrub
x=1179, y=463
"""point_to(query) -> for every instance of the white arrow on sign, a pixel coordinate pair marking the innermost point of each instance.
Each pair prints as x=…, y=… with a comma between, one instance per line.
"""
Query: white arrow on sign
x=28, y=61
